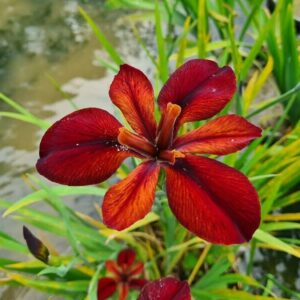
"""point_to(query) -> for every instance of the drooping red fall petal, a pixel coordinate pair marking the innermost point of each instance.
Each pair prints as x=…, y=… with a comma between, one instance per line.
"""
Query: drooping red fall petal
x=200, y=87
x=82, y=148
x=224, y=135
x=131, y=199
x=214, y=201
x=137, y=283
x=132, y=93
x=126, y=258
x=106, y=288
x=166, y=289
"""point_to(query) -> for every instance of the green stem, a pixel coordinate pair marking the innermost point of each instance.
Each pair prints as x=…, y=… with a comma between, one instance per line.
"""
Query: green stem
x=199, y=263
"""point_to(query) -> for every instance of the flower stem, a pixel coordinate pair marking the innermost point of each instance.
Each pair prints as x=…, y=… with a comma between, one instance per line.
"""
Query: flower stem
x=199, y=263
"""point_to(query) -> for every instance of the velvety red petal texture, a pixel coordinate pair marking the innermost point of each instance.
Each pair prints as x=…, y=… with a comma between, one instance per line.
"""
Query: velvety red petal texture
x=131, y=199
x=137, y=283
x=224, y=135
x=132, y=92
x=82, y=148
x=112, y=267
x=166, y=289
x=126, y=257
x=200, y=87
x=106, y=288
x=214, y=201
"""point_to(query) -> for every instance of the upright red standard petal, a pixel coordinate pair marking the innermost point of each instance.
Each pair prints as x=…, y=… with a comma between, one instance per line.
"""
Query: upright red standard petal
x=224, y=135
x=132, y=92
x=131, y=199
x=212, y=200
x=106, y=288
x=166, y=289
x=82, y=148
x=126, y=257
x=200, y=87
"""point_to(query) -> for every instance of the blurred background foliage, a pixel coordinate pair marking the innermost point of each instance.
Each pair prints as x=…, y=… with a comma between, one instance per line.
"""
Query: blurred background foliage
x=44, y=45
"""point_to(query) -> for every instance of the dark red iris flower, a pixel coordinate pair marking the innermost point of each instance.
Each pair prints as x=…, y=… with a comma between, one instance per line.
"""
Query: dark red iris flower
x=166, y=289
x=125, y=275
x=214, y=201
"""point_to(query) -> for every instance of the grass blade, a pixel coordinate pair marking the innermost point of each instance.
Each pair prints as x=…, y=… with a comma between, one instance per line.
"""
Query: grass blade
x=101, y=37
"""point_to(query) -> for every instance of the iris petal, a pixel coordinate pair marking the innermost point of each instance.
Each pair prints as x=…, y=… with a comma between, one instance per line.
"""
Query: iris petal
x=132, y=92
x=200, y=87
x=224, y=135
x=137, y=283
x=106, y=288
x=113, y=268
x=131, y=199
x=166, y=289
x=214, y=201
x=82, y=148
x=126, y=257
x=137, y=269
x=124, y=290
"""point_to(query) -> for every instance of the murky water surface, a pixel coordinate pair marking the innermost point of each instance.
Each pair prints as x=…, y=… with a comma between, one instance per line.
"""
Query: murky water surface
x=47, y=39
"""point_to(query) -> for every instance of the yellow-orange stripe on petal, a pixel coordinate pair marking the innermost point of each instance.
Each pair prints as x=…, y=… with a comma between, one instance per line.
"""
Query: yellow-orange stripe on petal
x=131, y=199
x=132, y=93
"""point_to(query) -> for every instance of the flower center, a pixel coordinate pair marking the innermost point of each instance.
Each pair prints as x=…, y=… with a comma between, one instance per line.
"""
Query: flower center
x=160, y=150
x=124, y=277
x=137, y=143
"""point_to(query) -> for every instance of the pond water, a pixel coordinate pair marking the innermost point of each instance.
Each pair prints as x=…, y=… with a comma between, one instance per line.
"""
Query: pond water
x=43, y=39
